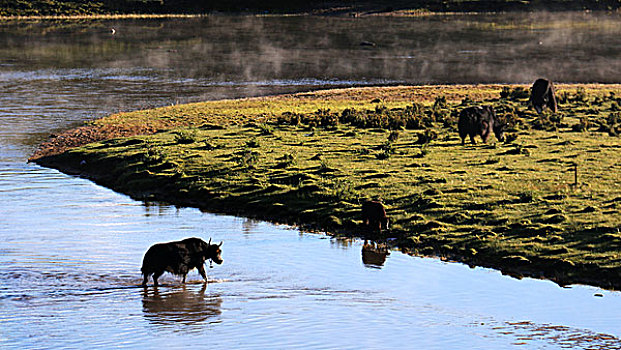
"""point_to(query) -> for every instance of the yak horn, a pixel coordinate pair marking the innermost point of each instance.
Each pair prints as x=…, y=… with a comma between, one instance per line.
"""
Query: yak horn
x=209, y=241
x=220, y=245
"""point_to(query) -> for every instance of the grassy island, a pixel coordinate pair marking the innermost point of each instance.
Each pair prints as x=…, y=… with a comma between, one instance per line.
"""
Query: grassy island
x=546, y=203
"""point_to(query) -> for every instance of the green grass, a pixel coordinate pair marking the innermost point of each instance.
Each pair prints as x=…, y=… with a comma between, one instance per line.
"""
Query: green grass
x=311, y=159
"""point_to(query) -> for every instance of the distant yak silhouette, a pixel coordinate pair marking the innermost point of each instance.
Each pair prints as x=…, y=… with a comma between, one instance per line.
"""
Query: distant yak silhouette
x=542, y=95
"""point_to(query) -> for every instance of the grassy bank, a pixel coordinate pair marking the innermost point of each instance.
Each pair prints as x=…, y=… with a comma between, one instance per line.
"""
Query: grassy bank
x=38, y=8
x=545, y=204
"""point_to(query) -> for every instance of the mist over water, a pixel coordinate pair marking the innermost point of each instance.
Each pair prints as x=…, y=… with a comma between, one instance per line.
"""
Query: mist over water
x=70, y=251
x=513, y=48
x=77, y=70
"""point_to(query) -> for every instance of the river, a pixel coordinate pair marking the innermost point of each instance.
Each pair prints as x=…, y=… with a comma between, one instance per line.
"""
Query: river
x=70, y=251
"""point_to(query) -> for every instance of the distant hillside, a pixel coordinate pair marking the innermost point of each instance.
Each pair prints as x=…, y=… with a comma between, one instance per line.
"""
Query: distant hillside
x=76, y=7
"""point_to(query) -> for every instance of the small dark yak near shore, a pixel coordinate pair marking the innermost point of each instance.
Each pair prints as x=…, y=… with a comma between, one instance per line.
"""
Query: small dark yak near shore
x=479, y=121
x=178, y=258
x=374, y=216
x=542, y=95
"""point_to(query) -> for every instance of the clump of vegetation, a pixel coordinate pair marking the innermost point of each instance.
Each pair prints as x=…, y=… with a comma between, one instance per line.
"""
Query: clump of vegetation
x=612, y=124
x=514, y=94
x=424, y=151
x=549, y=121
x=582, y=125
x=393, y=136
x=288, y=160
x=580, y=95
x=440, y=102
x=185, y=136
x=510, y=137
x=153, y=155
x=467, y=101
x=265, y=129
x=386, y=150
x=52, y=7
x=492, y=160
x=527, y=196
x=246, y=158
x=253, y=143
x=414, y=116
x=426, y=137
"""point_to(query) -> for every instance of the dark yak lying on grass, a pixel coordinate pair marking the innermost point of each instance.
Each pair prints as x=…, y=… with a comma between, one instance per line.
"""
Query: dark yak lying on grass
x=179, y=257
x=542, y=95
x=479, y=121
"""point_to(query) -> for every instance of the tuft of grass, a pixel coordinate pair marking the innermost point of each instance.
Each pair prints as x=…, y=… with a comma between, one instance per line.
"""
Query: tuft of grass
x=185, y=136
x=265, y=129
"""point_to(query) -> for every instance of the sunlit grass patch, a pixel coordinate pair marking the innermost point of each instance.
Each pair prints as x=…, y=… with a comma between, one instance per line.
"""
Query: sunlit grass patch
x=548, y=200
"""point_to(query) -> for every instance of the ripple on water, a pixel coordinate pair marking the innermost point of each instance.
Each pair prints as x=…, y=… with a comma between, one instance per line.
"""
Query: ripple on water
x=525, y=333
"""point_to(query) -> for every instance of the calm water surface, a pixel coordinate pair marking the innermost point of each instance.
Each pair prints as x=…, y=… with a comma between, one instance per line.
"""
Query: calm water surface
x=70, y=251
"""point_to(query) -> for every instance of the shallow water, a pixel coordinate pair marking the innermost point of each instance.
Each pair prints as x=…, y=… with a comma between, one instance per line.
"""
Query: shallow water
x=70, y=251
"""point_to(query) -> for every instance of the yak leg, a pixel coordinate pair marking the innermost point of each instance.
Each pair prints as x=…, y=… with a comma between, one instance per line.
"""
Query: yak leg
x=201, y=270
x=552, y=102
x=463, y=135
x=485, y=134
x=472, y=139
x=485, y=131
x=156, y=275
x=145, y=279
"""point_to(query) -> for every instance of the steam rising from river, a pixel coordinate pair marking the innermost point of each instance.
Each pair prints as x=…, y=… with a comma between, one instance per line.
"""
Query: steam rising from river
x=518, y=48
x=150, y=63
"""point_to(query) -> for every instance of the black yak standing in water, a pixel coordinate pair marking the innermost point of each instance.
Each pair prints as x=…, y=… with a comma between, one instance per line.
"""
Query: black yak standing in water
x=179, y=258
x=542, y=95
x=479, y=121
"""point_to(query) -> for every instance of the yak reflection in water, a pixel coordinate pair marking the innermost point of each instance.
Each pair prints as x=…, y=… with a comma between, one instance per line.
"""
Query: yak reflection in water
x=181, y=307
x=374, y=254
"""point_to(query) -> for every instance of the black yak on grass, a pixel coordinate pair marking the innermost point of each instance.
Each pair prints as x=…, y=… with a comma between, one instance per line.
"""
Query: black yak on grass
x=542, y=95
x=374, y=216
x=479, y=121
